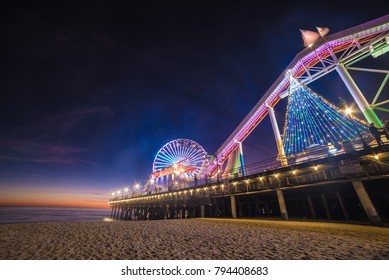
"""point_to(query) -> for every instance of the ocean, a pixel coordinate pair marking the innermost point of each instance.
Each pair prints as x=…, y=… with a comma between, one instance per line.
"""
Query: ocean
x=14, y=215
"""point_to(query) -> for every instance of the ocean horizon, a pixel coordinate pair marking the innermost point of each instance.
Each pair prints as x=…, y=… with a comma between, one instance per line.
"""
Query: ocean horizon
x=37, y=214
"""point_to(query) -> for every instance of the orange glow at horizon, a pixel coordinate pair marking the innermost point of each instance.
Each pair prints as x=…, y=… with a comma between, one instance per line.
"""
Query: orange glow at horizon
x=22, y=196
x=104, y=205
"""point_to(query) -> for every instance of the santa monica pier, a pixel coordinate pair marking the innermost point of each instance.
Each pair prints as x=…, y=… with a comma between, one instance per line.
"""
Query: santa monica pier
x=330, y=165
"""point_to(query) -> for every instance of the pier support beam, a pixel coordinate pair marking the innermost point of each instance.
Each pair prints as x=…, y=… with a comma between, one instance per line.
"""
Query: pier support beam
x=114, y=212
x=117, y=212
x=113, y=207
x=328, y=213
x=342, y=206
x=356, y=93
x=202, y=211
x=235, y=164
x=281, y=202
x=180, y=214
x=233, y=207
x=367, y=204
x=277, y=136
x=166, y=212
x=313, y=213
x=241, y=159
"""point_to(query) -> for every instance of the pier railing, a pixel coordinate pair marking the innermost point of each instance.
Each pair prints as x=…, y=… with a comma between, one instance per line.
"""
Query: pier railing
x=359, y=162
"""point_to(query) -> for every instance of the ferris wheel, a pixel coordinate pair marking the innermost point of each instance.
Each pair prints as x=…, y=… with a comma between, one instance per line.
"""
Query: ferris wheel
x=183, y=157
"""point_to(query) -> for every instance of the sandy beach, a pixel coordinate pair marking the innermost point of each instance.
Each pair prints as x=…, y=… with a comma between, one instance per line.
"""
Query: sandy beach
x=195, y=239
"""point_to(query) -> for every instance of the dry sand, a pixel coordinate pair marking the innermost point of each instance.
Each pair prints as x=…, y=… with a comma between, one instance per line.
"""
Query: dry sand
x=195, y=239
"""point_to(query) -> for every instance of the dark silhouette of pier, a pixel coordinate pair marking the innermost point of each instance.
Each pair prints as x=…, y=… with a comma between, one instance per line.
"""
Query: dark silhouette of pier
x=350, y=187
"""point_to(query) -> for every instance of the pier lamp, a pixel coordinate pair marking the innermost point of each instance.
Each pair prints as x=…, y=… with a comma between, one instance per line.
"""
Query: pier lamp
x=136, y=187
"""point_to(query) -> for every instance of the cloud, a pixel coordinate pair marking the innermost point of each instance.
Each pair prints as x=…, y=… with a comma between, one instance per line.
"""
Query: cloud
x=40, y=152
x=54, y=191
x=39, y=160
x=56, y=126
x=96, y=193
x=42, y=142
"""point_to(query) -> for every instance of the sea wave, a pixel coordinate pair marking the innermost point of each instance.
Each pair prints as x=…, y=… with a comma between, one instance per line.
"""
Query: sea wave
x=13, y=215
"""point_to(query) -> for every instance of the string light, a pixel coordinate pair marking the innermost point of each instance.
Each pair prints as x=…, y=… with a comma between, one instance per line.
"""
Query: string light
x=311, y=119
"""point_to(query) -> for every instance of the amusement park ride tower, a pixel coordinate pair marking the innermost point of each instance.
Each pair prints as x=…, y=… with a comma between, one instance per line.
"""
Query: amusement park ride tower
x=183, y=160
x=339, y=51
x=324, y=53
x=177, y=162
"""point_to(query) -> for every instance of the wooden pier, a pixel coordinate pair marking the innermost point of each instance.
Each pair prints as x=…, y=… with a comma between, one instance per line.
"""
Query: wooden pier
x=352, y=187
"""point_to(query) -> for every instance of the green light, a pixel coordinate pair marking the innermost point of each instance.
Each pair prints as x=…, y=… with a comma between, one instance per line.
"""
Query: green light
x=380, y=49
x=377, y=53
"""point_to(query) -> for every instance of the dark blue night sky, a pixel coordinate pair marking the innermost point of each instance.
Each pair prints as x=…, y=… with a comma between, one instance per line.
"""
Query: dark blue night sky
x=91, y=90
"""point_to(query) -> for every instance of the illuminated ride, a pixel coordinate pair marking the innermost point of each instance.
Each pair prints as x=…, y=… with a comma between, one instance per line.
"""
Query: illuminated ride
x=179, y=159
x=327, y=53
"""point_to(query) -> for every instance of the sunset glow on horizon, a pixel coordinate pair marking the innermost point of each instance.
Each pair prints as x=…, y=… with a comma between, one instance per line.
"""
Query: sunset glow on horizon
x=91, y=92
x=54, y=197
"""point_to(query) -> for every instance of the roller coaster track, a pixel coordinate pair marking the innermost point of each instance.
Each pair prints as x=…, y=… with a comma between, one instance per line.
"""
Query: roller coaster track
x=345, y=47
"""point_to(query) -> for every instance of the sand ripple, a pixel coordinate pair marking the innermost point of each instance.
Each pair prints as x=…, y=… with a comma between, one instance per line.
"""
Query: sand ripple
x=193, y=239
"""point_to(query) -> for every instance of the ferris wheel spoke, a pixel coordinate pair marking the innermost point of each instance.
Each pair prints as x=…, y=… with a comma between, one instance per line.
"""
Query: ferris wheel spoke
x=164, y=161
x=184, y=151
x=169, y=150
x=166, y=157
